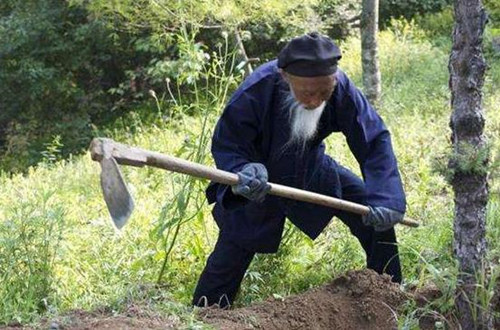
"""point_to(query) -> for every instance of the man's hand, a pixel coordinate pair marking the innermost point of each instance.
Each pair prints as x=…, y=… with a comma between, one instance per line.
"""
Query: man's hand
x=382, y=218
x=252, y=182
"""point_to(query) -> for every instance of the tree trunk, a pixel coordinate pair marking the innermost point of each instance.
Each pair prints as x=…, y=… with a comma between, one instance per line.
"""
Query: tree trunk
x=467, y=67
x=369, y=50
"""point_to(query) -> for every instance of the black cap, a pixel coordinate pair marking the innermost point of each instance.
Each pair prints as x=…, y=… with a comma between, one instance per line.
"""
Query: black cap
x=310, y=55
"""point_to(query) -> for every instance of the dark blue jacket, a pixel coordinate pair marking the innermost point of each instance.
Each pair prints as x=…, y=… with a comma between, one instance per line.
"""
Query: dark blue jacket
x=254, y=127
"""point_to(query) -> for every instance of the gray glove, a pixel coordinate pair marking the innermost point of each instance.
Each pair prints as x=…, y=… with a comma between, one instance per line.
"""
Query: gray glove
x=252, y=182
x=382, y=218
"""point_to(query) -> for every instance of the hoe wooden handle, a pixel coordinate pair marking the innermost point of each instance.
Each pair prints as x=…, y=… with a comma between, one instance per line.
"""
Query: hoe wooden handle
x=133, y=156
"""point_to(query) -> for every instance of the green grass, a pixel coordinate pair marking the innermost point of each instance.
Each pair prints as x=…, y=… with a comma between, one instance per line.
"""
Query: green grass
x=59, y=250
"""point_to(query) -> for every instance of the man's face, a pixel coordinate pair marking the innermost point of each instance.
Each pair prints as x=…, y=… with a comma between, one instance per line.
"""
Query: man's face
x=311, y=92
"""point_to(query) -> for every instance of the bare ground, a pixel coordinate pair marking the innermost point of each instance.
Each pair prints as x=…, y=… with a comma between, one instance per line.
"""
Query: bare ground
x=356, y=300
x=135, y=317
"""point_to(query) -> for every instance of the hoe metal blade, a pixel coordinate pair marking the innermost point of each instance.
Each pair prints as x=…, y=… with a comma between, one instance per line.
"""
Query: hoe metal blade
x=118, y=199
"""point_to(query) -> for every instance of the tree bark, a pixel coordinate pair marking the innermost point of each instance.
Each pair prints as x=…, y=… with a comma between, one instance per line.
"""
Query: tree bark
x=467, y=67
x=369, y=50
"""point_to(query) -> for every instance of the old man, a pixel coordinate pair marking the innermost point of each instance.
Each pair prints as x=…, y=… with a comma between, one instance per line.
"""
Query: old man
x=273, y=129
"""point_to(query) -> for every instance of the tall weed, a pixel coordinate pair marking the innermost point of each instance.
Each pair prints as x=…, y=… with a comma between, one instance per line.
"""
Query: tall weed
x=209, y=96
x=30, y=236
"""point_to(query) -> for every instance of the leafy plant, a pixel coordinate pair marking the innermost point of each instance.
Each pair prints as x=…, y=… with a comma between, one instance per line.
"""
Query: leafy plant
x=218, y=78
x=29, y=241
x=408, y=9
x=54, y=64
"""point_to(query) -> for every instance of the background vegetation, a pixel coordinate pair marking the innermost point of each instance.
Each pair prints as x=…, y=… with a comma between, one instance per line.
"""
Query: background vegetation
x=157, y=74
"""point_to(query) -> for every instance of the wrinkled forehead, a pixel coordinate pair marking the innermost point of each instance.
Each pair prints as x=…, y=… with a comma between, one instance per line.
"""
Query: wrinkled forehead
x=326, y=83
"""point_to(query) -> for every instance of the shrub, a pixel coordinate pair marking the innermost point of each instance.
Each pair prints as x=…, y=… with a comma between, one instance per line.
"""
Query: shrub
x=408, y=8
x=29, y=240
x=54, y=66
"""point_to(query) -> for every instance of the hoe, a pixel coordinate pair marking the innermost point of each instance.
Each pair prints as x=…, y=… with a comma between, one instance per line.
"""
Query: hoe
x=120, y=203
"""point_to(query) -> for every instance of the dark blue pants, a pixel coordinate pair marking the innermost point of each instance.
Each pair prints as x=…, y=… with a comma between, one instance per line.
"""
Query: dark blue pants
x=226, y=266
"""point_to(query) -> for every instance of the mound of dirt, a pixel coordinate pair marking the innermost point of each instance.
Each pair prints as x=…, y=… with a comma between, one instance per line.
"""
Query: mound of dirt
x=356, y=300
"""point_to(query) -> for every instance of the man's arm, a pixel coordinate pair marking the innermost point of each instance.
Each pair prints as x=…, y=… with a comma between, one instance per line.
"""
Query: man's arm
x=235, y=145
x=233, y=141
x=370, y=142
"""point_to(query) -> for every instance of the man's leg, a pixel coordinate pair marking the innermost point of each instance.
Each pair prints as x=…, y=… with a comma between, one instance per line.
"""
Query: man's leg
x=220, y=280
x=385, y=256
x=380, y=247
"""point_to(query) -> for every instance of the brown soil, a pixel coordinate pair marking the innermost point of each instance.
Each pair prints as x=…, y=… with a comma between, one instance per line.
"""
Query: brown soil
x=135, y=317
x=357, y=300
x=427, y=318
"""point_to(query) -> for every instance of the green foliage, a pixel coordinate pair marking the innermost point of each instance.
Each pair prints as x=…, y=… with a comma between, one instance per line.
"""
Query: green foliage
x=159, y=14
x=210, y=84
x=265, y=23
x=465, y=159
x=408, y=9
x=30, y=237
x=53, y=150
x=438, y=27
x=442, y=282
x=82, y=262
x=338, y=17
x=493, y=10
x=54, y=64
x=414, y=78
x=469, y=159
x=71, y=68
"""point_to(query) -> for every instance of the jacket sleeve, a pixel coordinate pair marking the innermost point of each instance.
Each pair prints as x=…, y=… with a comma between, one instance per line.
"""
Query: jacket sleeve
x=235, y=139
x=370, y=142
x=233, y=142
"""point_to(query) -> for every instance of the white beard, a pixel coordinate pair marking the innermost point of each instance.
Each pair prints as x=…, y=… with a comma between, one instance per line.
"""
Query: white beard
x=303, y=122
